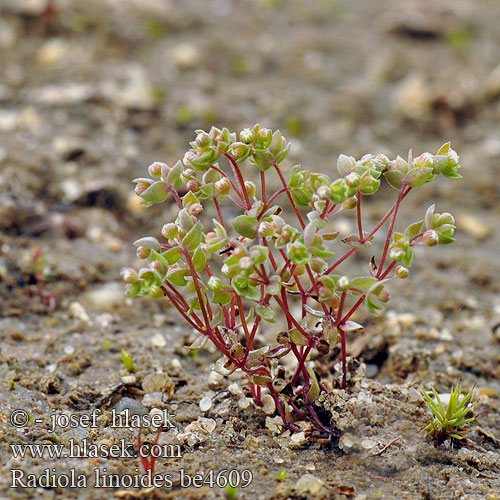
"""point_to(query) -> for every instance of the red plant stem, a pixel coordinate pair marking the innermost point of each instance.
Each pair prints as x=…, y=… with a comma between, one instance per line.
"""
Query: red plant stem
x=325, y=210
x=198, y=289
x=294, y=206
x=233, y=311
x=368, y=237
x=391, y=228
x=290, y=317
x=236, y=202
x=268, y=204
x=219, y=212
x=239, y=179
x=358, y=212
x=281, y=410
x=344, y=357
x=252, y=336
x=263, y=186
x=176, y=196
x=181, y=309
x=300, y=366
x=242, y=317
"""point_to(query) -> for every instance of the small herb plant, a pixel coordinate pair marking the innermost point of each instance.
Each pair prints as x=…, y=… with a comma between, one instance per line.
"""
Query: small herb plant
x=448, y=422
x=237, y=256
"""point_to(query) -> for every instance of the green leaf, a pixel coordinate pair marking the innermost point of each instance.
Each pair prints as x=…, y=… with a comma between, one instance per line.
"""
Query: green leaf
x=199, y=259
x=418, y=176
x=174, y=176
x=246, y=226
x=302, y=197
x=395, y=178
x=192, y=239
x=263, y=159
x=314, y=390
x=267, y=313
x=297, y=337
x=321, y=251
x=408, y=258
x=243, y=287
x=156, y=193
x=363, y=283
x=221, y=298
x=173, y=255
x=413, y=229
x=444, y=148
x=177, y=277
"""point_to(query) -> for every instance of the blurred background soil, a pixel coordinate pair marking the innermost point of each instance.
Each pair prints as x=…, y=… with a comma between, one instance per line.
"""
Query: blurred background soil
x=92, y=92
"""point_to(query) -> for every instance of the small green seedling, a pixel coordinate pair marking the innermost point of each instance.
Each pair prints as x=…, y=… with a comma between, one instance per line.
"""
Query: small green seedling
x=449, y=422
x=128, y=361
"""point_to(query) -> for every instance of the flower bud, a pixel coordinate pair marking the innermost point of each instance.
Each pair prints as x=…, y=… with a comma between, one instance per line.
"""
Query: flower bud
x=237, y=351
x=142, y=252
x=214, y=284
x=396, y=253
x=196, y=209
x=266, y=229
x=299, y=270
x=343, y=283
x=323, y=346
x=425, y=160
x=351, y=202
x=247, y=136
x=193, y=185
x=323, y=192
x=223, y=186
x=155, y=169
x=129, y=275
x=140, y=187
x=156, y=292
x=383, y=160
x=282, y=338
x=246, y=263
x=169, y=231
x=430, y=238
x=402, y=272
x=188, y=156
x=250, y=188
x=264, y=135
x=384, y=296
x=202, y=140
x=352, y=180
x=157, y=266
x=324, y=292
x=318, y=265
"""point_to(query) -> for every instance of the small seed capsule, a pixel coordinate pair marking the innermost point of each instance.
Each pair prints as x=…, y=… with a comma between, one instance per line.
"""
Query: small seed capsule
x=402, y=272
x=430, y=238
x=169, y=231
x=223, y=186
x=196, y=209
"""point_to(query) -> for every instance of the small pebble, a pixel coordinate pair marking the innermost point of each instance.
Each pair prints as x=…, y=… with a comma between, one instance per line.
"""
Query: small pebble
x=158, y=340
x=309, y=485
x=135, y=407
x=269, y=404
x=206, y=403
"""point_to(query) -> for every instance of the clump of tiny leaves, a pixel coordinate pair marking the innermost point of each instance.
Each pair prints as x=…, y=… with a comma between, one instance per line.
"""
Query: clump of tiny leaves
x=237, y=256
x=449, y=421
